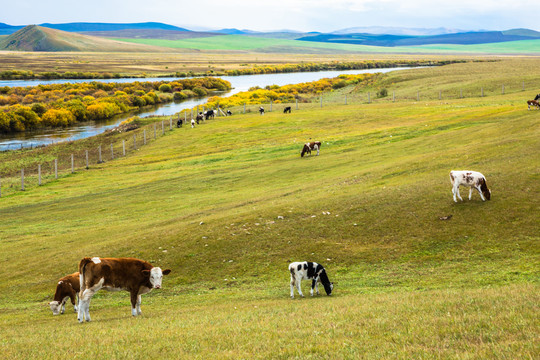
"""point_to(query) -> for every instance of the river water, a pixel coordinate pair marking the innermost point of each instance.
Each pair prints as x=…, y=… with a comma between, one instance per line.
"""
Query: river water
x=91, y=128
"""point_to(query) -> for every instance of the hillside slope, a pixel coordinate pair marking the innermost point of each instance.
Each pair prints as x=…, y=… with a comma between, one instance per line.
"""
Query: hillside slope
x=37, y=38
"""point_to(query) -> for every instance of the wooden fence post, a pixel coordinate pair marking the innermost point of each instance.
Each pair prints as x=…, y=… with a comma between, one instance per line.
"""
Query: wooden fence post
x=99, y=152
x=39, y=174
x=296, y=103
x=112, y=152
x=72, y=164
x=22, y=179
x=418, y=96
x=154, y=131
x=270, y=105
x=369, y=98
x=523, y=86
x=56, y=169
x=393, y=96
x=162, y=127
x=321, y=101
x=134, y=141
x=244, y=108
x=461, y=93
x=144, y=136
x=86, y=159
x=124, y=147
x=170, y=125
x=345, y=99
x=481, y=92
x=440, y=95
x=503, y=89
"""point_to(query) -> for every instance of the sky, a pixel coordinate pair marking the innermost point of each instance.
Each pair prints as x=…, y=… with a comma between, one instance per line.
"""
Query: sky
x=270, y=15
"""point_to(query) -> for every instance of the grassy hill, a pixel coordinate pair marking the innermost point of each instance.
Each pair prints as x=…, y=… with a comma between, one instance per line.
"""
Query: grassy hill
x=205, y=202
x=36, y=38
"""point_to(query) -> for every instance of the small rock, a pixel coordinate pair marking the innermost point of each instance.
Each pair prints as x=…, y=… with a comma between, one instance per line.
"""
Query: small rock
x=280, y=217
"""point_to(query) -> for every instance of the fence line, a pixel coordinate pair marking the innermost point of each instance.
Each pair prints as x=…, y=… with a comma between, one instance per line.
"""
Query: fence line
x=49, y=171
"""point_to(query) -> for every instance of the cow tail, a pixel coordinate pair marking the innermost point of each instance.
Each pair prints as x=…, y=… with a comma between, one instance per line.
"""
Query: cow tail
x=82, y=268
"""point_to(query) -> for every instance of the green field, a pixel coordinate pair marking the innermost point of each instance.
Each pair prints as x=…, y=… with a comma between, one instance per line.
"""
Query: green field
x=205, y=203
x=252, y=43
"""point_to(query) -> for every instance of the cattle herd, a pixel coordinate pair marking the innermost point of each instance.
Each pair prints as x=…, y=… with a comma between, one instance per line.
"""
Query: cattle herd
x=139, y=277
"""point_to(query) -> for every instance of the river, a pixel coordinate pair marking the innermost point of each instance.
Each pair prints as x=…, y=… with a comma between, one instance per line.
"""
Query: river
x=91, y=128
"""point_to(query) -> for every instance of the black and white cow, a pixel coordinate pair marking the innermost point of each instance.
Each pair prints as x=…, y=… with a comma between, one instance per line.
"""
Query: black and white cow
x=309, y=271
x=209, y=114
x=472, y=179
x=261, y=110
x=287, y=110
x=229, y=113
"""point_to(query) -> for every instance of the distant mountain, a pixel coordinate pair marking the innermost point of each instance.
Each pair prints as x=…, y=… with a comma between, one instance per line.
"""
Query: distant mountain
x=230, y=31
x=522, y=32
x=37, y=38
x=84, y=27
x=6, y=29
x=388, y=30
x=409, y=40
x=150, y=34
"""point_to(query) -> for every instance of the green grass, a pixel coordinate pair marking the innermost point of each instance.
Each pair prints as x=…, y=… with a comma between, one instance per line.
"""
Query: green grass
x=252, y=43
x=407, y=285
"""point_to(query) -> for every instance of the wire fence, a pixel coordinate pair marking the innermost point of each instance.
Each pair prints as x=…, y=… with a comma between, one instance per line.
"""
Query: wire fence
x=42, y=168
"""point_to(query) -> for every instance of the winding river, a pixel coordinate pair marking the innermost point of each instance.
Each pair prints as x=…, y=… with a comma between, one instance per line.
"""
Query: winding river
x=91, y=128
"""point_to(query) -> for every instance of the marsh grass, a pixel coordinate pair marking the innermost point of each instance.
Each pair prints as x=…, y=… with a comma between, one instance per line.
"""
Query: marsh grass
x=205, y=202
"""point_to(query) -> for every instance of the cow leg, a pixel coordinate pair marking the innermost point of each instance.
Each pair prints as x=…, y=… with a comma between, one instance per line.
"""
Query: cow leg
x=470, y=193
x=313, y=285
x=457, y=193
x=299, y=286
x=63, y=306
x=84, y=301
x=317, y=148
x=134, y=300
x=480, y=192
x=317, y=287
x=139, y=305
x=292, y=286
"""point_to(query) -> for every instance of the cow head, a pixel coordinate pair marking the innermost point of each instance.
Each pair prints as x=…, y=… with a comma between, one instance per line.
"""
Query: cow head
x=155, y=276
x=305, y=150
x=56, y=307
x=485, y=191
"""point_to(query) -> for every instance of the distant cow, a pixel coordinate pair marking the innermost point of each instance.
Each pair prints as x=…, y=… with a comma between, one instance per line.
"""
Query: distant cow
x=315, y=145
x=472, y=179
x=209, y=114
x=261, y=110
x=67, y=288
x=229, y=113
x=179, y=123
x=287, y=110
x=309, y=271
x=534, y=102
x=199, y=117
x=192, y=123
x=114, y=274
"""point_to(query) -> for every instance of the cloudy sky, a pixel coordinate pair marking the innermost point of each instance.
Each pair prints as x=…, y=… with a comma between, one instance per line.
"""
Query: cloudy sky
x=263, y=15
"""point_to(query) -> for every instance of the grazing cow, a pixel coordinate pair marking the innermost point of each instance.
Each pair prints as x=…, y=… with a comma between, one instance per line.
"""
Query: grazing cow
x=179, y=123
x=472, y=179
x=209, y=114
x=115, y=274
x=67, y=288
x=199, y=117
x=534, y=102
x=192, y=123
x=261, y=110
x=229, y=113
x=287, y=110
x=315, y=145
x=309, y=271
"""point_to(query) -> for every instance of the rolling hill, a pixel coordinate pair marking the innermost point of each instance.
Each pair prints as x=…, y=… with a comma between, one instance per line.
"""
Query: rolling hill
x=37, y=38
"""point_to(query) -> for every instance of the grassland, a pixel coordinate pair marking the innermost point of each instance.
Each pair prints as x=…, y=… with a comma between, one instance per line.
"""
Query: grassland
x=253, y=43
x=205, y=202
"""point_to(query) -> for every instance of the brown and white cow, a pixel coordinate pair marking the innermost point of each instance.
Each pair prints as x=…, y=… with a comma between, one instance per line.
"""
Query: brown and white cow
x=115, y=274
x=315, y=145
x=67, y=288
x=472, y=179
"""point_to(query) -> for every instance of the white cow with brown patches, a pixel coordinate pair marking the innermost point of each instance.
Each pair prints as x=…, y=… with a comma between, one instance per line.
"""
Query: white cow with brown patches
x=472, y=179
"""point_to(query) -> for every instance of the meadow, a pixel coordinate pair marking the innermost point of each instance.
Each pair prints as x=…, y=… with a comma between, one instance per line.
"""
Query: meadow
x=207, y=203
